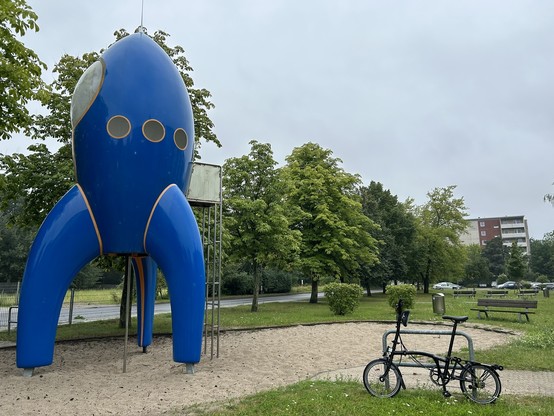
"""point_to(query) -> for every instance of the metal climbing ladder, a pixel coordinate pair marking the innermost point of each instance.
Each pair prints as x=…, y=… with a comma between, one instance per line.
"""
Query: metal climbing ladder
x=205, y=196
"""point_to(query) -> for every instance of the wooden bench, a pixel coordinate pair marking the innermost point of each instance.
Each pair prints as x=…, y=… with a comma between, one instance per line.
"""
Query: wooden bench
x=511, y=305
x=470, y=293
x=527, y=292
x=496, y=293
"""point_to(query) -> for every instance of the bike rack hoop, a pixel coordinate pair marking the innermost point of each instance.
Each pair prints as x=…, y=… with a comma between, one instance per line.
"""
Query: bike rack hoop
x=428, y=332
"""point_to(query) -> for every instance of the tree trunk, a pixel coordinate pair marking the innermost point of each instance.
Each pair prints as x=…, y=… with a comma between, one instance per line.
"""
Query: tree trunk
x=426, y=277
x=313, y=297
x=256, y=291
x=123, y=306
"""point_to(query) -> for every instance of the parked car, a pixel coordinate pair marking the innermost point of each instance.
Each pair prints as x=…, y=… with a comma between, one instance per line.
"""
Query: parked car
x=549, y=286
x=508, y=285
x=446, y=285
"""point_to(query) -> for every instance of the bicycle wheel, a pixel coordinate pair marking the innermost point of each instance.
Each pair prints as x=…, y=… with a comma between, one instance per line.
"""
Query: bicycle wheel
x=378, y=381
x=480, y=383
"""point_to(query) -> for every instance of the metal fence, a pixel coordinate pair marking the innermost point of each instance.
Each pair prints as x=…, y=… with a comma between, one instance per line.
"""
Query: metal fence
x=78, y=305
x=9, y=296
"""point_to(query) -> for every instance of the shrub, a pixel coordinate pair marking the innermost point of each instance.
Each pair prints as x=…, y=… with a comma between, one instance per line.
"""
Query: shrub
x=542, y=278
x=343, y=297
x=502, y=278
x=236, y=282
x=405, y=292
x=276, y=281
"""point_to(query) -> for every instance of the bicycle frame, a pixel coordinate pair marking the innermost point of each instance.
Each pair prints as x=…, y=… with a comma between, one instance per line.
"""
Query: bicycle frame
x=445, y=369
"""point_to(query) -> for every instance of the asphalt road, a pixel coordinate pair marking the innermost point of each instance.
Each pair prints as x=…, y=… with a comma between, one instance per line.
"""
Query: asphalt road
x=89, y=313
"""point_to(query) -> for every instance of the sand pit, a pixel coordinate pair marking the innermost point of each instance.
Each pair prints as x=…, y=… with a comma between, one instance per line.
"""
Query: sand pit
x=86, y=377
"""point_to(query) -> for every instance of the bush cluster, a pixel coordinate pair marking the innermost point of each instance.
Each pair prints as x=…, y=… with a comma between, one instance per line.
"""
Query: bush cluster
x=276, y=281
x=238, y=282
x=405, y=292
x=343, y=298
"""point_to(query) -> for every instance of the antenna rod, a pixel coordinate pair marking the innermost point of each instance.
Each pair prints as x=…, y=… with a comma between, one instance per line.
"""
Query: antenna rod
x=142, y=17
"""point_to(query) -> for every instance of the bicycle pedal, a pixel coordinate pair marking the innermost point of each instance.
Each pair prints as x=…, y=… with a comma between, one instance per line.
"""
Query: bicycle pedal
x=446, y=394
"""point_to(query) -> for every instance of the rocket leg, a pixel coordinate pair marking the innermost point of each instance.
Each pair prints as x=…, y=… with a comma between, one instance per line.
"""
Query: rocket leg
x=173, y=240
x=145, y=272
x=66, y=241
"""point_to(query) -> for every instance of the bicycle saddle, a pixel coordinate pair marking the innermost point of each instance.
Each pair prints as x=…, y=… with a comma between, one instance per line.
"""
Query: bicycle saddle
x=456, y=319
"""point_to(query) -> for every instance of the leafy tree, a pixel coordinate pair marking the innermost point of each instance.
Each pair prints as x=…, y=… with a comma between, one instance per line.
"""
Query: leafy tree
x=396, y=234
x=88, y=277
x=37, y=181
x=20, y=67
x=477, y=267
x=255, y=215
x=41, y=178
x=336, y=235
x=496, y=254
x=541, y=260
x=14, y=248
x=516, y=264
x=440, y=224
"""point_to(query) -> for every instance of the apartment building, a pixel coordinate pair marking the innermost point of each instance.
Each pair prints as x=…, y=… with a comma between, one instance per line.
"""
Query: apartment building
x=509, y=228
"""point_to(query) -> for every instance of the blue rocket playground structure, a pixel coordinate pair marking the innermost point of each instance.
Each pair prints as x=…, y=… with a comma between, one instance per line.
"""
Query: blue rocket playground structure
x=133, y=140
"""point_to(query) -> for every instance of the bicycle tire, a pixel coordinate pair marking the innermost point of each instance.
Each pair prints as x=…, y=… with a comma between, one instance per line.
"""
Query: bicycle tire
x=480, y=383
x=377, y=383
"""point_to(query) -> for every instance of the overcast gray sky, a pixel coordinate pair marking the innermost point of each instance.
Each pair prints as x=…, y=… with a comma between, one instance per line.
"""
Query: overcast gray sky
x=413, y=94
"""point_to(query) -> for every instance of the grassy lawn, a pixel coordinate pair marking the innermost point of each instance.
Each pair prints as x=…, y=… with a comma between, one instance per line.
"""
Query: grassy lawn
x=347, y=398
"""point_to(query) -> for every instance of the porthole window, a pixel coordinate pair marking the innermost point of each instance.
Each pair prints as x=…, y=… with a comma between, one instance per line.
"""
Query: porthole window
x=181, y=139
x=118, y=127
x=153, y=130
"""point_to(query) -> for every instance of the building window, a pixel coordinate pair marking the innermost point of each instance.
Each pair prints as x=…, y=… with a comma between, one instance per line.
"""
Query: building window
x=482, y=224
x=483, y=233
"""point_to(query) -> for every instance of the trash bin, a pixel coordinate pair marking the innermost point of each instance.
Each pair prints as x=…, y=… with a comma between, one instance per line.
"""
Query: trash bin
x=546, y=292
x=438, y=304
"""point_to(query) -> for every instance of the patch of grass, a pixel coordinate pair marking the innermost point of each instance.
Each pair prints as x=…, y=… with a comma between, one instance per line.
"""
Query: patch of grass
x=7, y=299
x=349, y=398
x=95, y=296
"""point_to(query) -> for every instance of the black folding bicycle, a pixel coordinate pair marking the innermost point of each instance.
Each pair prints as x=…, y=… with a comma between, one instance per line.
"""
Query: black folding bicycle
x=479, y=382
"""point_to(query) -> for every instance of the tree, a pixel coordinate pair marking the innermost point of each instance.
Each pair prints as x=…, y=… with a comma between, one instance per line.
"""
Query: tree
x=41, y=178
x=255, y=215
x=396, y=233
x=336, y=235
x=440, y=224
x=20, y=67
x=516, y=264
x=14, y=247
x=541, y=260
x=476, y=267
x=495, y=252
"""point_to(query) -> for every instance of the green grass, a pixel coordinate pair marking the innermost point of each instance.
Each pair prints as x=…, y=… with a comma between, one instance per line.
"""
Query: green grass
x=349, y=398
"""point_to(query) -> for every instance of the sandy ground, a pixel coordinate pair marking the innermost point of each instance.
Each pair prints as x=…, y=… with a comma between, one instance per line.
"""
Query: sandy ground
x=86, y=377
